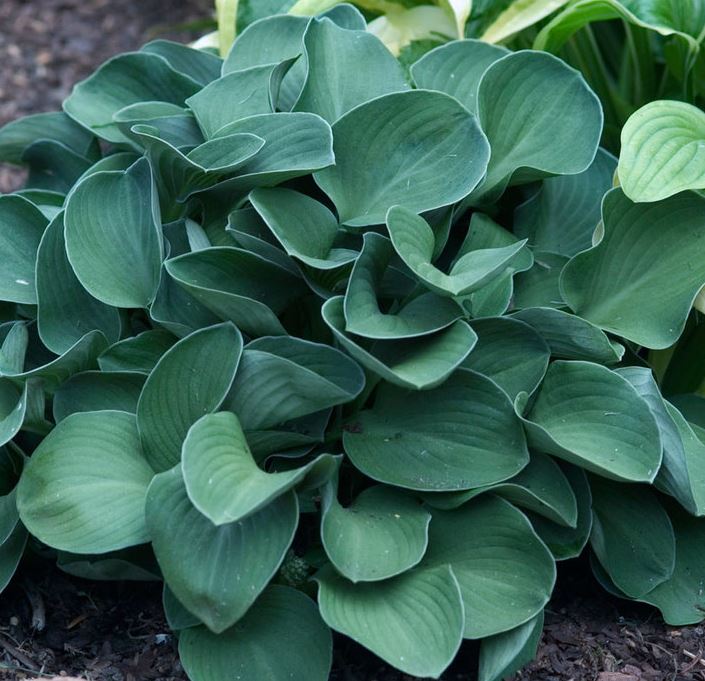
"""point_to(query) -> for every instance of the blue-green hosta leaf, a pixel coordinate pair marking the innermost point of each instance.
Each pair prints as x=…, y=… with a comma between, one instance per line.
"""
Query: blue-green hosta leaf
x=456, y=68
x=176, y=614
x=421, y=316
x=594, y=418
x=49, y=203
x=13, y=409
x=567, y=542
x=53, y=166
x=199, y=65
x=640, y=281
x=85, y=486
x=178, y=175
x=419, y=149
x=174, y=124
x=234, y=96
x=632, y=536
x=304, y=227
x=541, y=487
x=113, y=241
x=272, y=40
x=571, y=337
x=506, y=573
x=413, y=621
x=540, y=285
x=216, y=572
x=415, y=363
x=191, y=379
x=461, y=435
x=238, y=286
x=414, y=242
x=345, y=69
x=682, y=474
x=19, y=134
x=562, y=216
x=540, y=118
x=11, y=551
x=383, y=533
x=283, y=378
x=21, y=228
x=121, y=81
x=135, y=564
x=662, y=151
x=137, y=354
x=66, y=311
x=98, y=391
x=503, y=654
x=281, y=636
x=296, y=144
x=509, y=352
x=222, y=478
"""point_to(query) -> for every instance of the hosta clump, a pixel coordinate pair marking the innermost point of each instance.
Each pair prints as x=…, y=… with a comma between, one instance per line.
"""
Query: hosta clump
x=324, y=348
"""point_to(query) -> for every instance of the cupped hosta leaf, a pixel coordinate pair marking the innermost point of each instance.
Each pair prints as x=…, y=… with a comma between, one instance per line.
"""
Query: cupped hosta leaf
x=570, y=337
x=49, y=202
x=18, y=135
x=509, y=352
x=413, y=621
x=53, y=166
x=640, y=281
x=304, y=227
x=414, y=241
x=112, y=238
x=541, y=487
x=540, y=285
x=66, y=311
x=199, y=65
x=562, y=216
x=222, y=479
x=238, y=286
x=594, y=418
x=383, y=533
x=415, y=363
x=461, y=435
x=191, y=379
x=21, y=228
x=85, y=486
x=540, y=118
x=632, y=536
x=272, y=40
x=503, y=654
x=505, y=572
x=662, y=151
x=421, y=316
x=98, y=391
x=13, y=409
x=216, y=572
x=682, y=474
x=282, y=636
x=567, y=542
x=296, y=144
x=419, y=149
x=123, y=80
x=137, y=354
x=174, y=124
x=456, y=68
x=283, y=378
x=345, y=69
x=234, y=96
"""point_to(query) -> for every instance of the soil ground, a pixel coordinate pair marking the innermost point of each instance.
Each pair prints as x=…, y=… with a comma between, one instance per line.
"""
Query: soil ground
x=53, y=625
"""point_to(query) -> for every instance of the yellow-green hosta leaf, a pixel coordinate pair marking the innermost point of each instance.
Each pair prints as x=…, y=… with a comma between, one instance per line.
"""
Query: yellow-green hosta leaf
x=461, y=435
x=503, y=654
x=216, y=572
x=281, y=637
x=206, y=362
x=663, y=151
x=520, y=15
x=383, y=533
x=641, y=279
x=594, y=418
x=222, y=478
x=85, y=486
x=505, y=572
x=419, y=149
x=413, y=621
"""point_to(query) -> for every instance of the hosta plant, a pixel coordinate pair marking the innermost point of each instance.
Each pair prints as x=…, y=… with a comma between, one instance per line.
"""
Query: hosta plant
x=326, y=345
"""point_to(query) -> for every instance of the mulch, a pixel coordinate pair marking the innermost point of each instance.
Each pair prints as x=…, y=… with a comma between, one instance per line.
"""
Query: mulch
x=55, y=625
